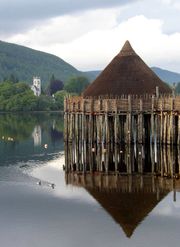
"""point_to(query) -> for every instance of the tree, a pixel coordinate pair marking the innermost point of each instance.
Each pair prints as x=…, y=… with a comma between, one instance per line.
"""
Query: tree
x=13, y=78
x=16, y=97
x=19, y=97
x=76, y=84
x=59, y=99
x=54, y=85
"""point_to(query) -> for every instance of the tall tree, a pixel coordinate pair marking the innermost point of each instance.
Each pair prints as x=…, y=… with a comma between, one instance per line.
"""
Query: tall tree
x=54, y=85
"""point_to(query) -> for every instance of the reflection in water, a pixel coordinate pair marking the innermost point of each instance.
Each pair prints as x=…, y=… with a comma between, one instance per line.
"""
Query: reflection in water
x=23, y=137
x=56, y=135
x=137, y=159
x=128, y=199
x=37, y=135
x=127, y=181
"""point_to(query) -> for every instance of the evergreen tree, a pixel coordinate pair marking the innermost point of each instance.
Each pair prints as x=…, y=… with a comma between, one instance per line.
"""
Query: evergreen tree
x=54, y=85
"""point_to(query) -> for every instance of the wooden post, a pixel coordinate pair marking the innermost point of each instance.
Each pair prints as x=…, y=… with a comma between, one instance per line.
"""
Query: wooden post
x=129, y=122
x=129, y=159
x=178, y=140
x=65, y=121
x=140, y=122
x=168, y=129
x=71, y=127
x=165, y=160
x=116, y=124
x=152, y=120
x=107, y=122
x=165, y=128
x=116, y=157
x=140, y=159
x=172, y=137
x=66, y=157
x=162, y=125
x=83, y=121
x=106, y=163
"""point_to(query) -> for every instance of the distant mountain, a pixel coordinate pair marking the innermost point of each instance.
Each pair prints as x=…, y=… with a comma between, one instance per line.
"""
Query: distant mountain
x=24, y=63
x=166, y=75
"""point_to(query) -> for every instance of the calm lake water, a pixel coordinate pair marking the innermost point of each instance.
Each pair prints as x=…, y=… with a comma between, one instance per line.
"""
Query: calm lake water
x=41, y=206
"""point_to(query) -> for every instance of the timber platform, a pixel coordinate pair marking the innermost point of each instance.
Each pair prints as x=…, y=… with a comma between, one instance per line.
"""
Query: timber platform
x=126, y=119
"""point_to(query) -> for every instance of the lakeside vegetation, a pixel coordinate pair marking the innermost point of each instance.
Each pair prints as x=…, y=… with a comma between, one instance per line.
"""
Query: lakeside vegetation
x=17, y=96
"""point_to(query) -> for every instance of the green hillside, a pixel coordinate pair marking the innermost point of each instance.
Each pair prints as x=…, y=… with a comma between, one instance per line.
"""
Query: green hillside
x=24, y=63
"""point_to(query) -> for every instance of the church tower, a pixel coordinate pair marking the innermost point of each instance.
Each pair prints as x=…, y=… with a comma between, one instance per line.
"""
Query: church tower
x=36, y=87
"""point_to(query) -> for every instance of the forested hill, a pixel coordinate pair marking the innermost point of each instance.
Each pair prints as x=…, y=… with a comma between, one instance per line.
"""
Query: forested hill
x=24, y=63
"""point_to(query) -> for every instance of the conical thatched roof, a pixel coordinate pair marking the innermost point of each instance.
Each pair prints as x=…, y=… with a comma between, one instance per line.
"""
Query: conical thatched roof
x=126, y=74
x=127, y=209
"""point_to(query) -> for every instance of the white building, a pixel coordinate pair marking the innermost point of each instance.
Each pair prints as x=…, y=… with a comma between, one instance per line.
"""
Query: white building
x=36, y=87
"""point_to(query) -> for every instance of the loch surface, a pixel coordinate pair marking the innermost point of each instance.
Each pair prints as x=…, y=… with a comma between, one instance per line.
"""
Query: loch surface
x=41, y=206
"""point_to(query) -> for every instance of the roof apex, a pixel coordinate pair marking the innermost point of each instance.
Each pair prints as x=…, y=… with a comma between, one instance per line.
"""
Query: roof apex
x=127, y=50
x=126, y=74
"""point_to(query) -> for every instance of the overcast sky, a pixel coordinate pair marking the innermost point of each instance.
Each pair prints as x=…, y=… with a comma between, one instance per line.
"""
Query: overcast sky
x=89, y=33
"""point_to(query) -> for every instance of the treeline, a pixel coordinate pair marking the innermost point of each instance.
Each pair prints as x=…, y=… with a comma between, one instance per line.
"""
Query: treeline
x=18, y=96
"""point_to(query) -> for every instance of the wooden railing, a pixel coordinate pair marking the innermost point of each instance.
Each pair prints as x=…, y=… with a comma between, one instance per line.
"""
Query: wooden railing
x=130, y=103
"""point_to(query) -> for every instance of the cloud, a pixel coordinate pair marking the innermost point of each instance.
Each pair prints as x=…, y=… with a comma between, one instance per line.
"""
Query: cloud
x=68, y=28
x=88, y=34
x=165, y=10
x=95, y=49
x=176, y=4
x=19, y=15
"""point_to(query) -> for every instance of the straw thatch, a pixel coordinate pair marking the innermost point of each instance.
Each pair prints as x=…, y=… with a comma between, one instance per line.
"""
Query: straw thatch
x=126, y=74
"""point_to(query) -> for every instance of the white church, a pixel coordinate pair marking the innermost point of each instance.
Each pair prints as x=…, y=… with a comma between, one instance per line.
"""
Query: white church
x=36, y=86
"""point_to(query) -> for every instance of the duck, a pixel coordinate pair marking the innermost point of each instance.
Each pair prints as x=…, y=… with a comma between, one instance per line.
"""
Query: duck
x=39, y=182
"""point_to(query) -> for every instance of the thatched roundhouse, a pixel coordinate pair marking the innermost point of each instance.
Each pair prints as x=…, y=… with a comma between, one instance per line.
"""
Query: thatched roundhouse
x=127, y=103
x=126, y=74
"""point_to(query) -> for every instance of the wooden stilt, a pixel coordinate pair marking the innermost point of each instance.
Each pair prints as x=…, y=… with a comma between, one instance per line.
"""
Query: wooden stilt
x=102, y=122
